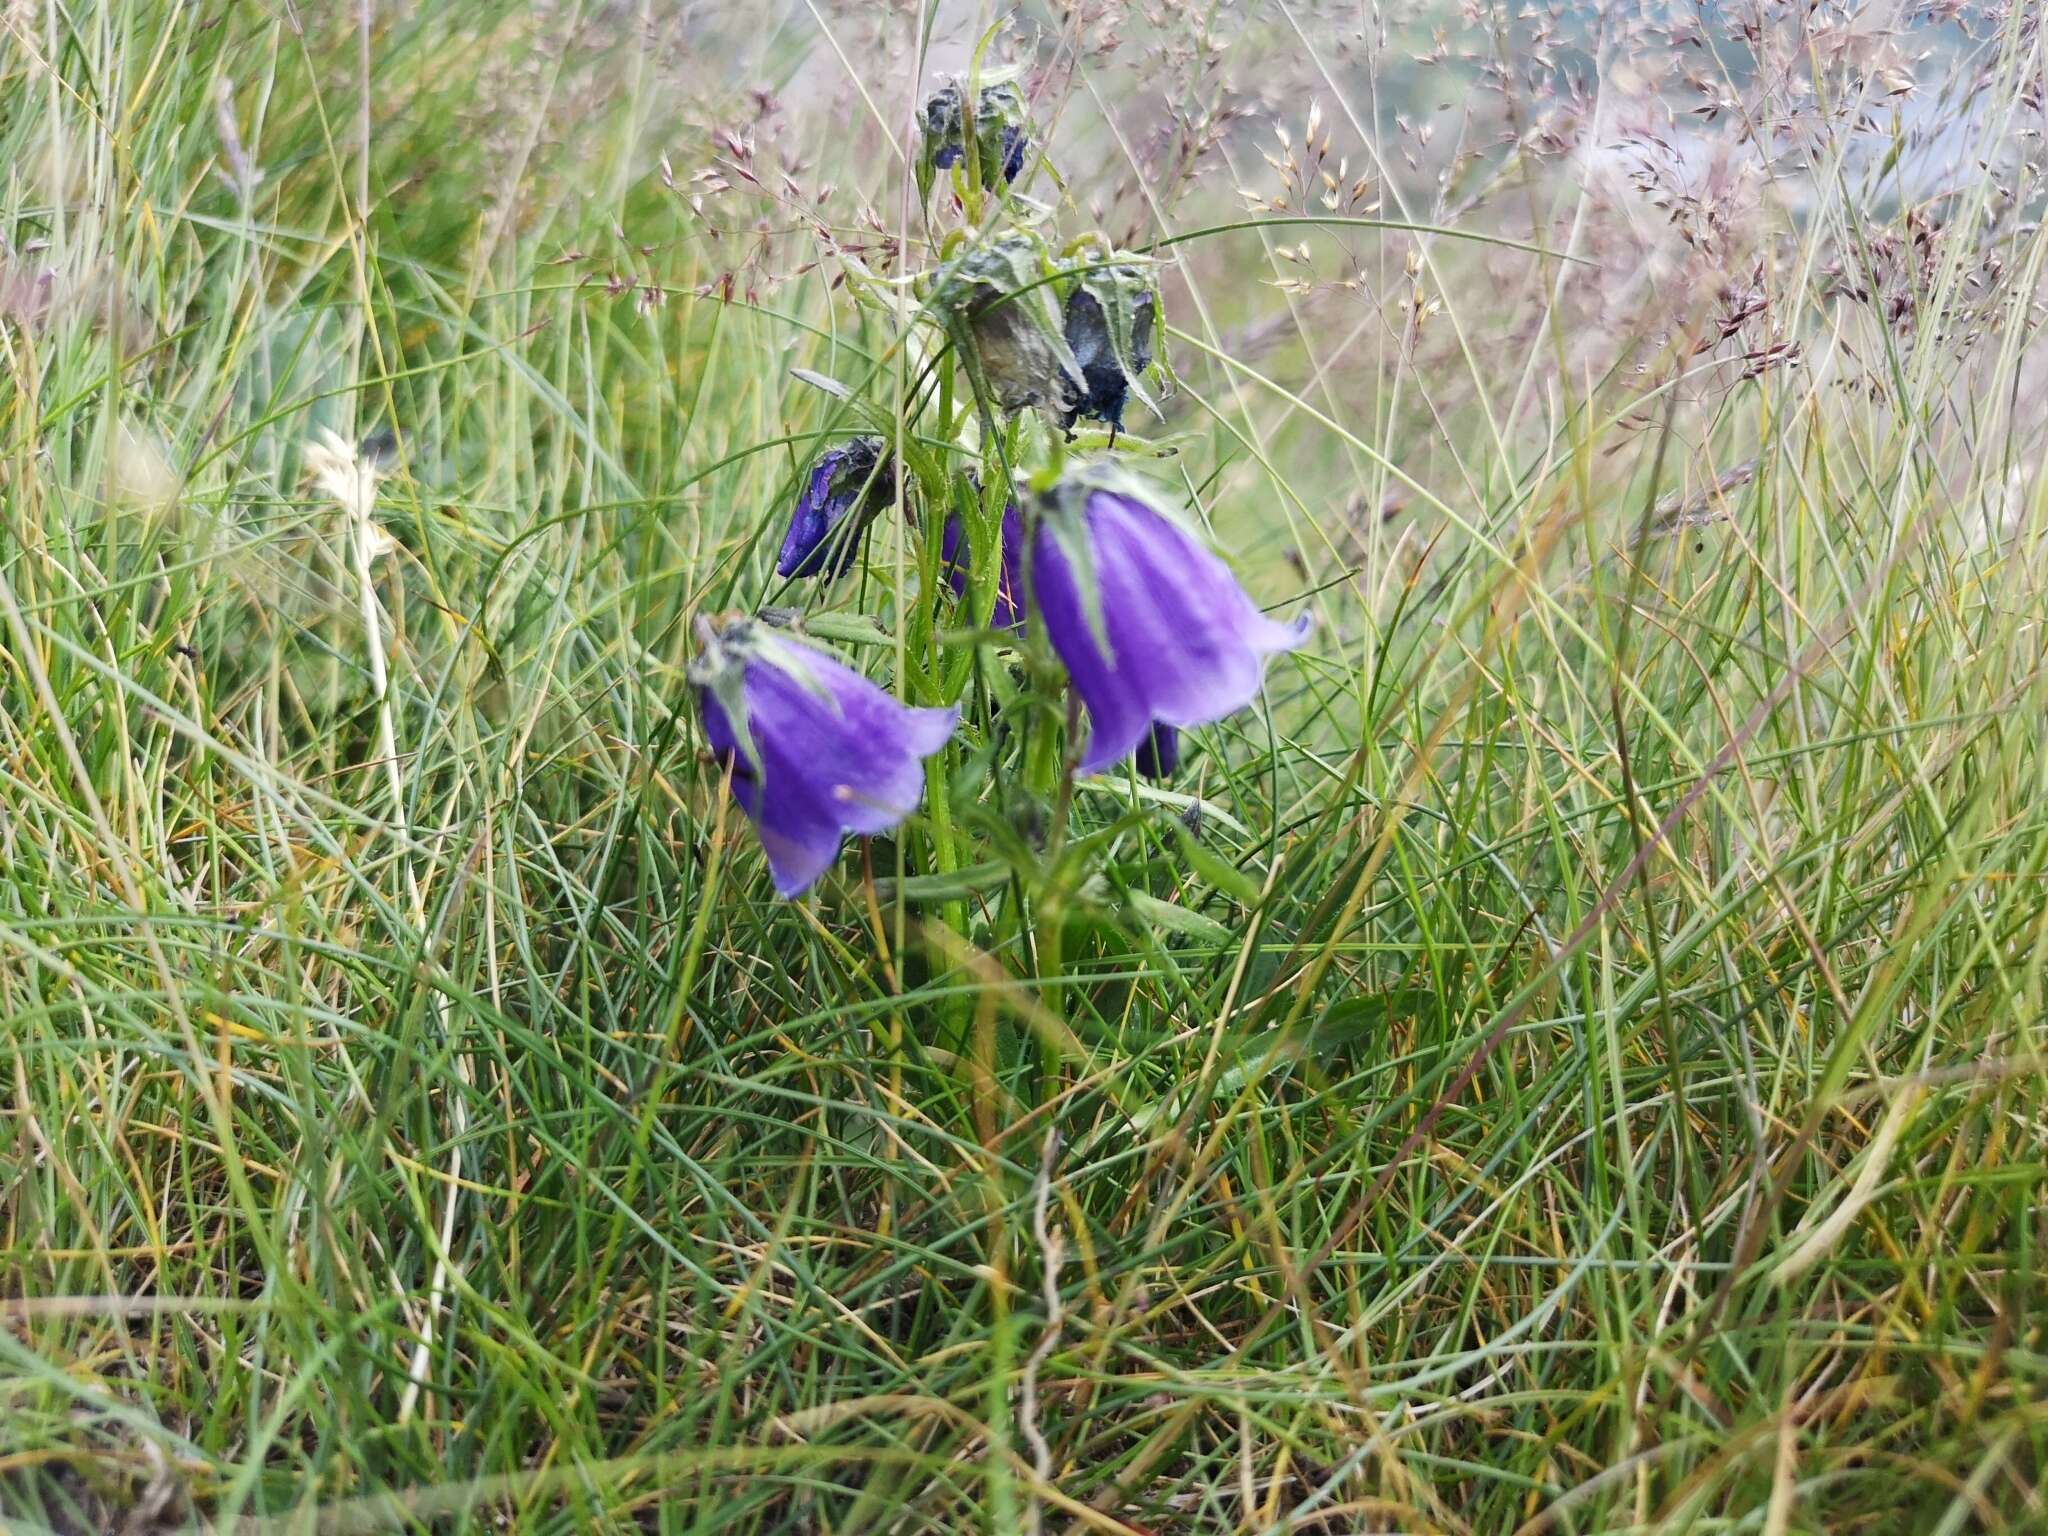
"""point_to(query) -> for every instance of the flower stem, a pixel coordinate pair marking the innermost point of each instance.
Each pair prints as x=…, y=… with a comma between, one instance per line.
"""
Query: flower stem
x=945, y=855
x=1051, y=773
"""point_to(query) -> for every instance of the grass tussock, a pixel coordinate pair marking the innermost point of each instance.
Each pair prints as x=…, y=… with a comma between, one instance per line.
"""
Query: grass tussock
x=1572, y=1060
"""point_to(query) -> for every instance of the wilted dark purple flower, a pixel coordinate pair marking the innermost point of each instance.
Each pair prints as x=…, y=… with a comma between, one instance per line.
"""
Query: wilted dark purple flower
x=816, y=750
x=847, y=486
x=999, y=129
x=1113, y=346
x=1021, y=367
x=1014, y=143
x=1159, y=753
x=1009, y=607
x=1153, y=628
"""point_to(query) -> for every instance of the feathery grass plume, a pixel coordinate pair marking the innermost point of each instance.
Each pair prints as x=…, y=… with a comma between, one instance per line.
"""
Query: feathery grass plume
x=349, y=479
x=142, y=473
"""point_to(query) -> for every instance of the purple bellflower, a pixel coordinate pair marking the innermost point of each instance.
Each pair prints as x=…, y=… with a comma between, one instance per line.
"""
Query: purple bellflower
x=1009, y=606
x=1153, y=628
x=847, y=486
x=815, y=749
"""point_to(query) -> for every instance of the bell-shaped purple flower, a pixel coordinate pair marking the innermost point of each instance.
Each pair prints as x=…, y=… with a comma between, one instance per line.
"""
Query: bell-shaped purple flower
x=1159, y=753
x=847, y=486
x=1153, y=628
x=816, y=750
x=1009, y=605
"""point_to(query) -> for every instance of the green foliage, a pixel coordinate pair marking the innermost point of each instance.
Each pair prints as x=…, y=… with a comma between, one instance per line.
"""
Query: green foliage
x=1575, y=1057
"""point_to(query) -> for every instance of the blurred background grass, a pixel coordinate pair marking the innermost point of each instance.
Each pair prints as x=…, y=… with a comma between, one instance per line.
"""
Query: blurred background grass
x=1578, y=1067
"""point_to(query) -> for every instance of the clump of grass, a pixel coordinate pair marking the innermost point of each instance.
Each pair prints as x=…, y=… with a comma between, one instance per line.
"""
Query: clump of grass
x=1572, y=1062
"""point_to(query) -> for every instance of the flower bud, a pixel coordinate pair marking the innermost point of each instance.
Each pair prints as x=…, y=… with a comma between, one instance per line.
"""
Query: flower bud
x=846, y=487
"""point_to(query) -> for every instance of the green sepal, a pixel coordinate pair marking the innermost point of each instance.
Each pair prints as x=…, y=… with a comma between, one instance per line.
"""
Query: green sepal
x=1014, y=273
x=847, y=629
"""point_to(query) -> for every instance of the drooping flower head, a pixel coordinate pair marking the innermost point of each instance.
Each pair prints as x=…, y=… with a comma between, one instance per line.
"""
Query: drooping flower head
x=998, y=303
x=816, y=750
x=1001, y=131
x=1110, y=315
x=1008, y=612
x=847, y=485
x=1152, y=626
x=1159, y=753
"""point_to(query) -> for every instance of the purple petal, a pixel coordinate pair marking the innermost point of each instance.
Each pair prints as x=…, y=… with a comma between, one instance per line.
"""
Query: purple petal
x=949, y=555
x=1159, y=752
x=798, y=830
x=1118, y=714
x=809, y=545
x=800, y=836
x=718, y=730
